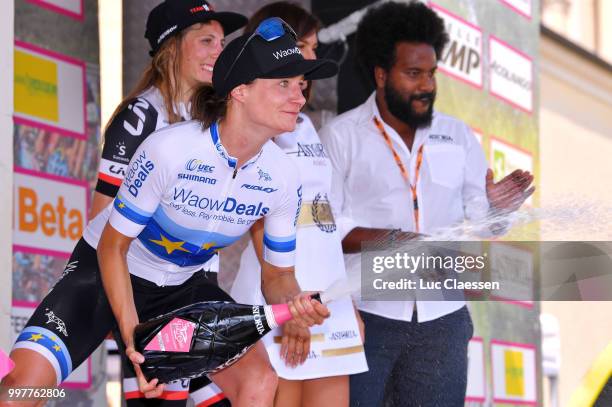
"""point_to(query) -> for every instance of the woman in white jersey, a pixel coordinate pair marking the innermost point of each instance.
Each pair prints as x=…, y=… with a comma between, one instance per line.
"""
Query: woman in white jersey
x=190, y=190
x=182, y=58
x=311, y=373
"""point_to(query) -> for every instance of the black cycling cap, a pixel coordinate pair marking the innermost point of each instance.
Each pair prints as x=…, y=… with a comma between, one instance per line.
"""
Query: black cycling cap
x=269, y=52
x=172, y=16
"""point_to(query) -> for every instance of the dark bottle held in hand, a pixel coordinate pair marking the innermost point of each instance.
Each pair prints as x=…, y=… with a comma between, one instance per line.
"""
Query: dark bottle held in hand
x=203, y=338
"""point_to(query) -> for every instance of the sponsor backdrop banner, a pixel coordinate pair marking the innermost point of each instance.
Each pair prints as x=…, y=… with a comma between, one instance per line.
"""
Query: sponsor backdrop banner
x=6, y=169
x=488, y=80
x=49, y=90
x=513, y=367
x=56, y=137
x=50, y=211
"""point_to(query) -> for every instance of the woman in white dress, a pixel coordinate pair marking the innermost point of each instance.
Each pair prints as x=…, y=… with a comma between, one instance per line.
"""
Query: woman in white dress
x=315, y=373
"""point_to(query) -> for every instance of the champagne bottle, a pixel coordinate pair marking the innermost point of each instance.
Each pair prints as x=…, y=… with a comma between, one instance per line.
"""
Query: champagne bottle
x=204, y=337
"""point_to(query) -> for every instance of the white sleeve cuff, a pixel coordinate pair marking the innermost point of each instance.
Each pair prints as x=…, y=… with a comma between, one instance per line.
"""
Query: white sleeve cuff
x=279, y=259
x=123, y=225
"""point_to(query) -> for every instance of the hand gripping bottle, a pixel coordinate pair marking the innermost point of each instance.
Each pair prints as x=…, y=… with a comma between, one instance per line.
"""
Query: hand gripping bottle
x=203, y=338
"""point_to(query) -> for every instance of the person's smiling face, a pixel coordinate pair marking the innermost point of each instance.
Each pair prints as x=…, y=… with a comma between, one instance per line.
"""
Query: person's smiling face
x=275, y=103
x=200, y=47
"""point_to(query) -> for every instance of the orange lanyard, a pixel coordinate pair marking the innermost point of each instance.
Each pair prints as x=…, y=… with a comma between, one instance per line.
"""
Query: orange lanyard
x=404, y=171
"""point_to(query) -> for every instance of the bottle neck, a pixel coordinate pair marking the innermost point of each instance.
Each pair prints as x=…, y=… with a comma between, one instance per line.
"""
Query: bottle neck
x=277, y=314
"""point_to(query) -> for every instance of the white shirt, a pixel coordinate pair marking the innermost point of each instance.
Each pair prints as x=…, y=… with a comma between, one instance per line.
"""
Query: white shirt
x=368, y=189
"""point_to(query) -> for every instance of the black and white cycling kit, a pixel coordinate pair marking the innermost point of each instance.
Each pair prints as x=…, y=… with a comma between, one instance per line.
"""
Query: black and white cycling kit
x=183, y=198
x=128, y=129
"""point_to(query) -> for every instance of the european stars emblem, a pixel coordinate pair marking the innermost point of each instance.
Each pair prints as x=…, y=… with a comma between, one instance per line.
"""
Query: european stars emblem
x=169, y=245
x=121, y=205
x=209, y=245
x=35, y=337
x=57, y=348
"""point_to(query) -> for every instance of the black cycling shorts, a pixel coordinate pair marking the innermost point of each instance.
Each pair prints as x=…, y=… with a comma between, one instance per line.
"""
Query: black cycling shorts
x=75, y=316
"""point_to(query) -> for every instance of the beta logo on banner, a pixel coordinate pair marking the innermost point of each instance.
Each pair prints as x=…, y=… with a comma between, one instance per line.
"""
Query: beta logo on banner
x=523, y=7
x=71, y=8
x=49, y=91
x=510, y=75
x=49, y=212
x=514, y=373
x=462, y=57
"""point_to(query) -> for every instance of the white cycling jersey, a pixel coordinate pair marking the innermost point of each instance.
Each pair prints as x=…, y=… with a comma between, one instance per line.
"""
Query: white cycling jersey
x=183, y=199
x=128, y=129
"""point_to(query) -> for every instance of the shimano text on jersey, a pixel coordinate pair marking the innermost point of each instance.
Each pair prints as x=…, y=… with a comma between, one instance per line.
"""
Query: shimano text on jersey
x=198, y=178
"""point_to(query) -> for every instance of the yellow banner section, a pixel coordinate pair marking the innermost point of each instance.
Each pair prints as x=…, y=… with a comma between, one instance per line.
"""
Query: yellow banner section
x=36, y=86
x=515, y=374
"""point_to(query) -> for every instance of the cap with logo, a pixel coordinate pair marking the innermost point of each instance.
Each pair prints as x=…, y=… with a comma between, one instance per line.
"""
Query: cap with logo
x=258, y=55
x=172, y=16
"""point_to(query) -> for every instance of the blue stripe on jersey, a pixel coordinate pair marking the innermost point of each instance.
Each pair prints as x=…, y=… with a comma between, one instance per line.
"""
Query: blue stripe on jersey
x=52, y=342
x=282, y=245
x=193, y=236
x=174, y=250
x=130, y=211
x=214, y=134
x=279, y=238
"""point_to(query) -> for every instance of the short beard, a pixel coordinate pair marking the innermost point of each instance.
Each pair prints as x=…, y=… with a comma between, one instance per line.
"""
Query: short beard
x=403, y=110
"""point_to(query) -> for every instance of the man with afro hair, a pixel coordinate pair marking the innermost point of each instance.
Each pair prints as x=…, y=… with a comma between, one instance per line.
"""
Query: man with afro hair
x=401, y=169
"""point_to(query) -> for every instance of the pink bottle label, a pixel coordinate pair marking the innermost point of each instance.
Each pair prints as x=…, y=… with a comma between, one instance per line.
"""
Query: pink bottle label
x=281, y=313
x=174, y=337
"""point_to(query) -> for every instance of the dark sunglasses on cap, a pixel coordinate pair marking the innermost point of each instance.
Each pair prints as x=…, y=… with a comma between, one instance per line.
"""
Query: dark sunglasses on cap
x=269, y=30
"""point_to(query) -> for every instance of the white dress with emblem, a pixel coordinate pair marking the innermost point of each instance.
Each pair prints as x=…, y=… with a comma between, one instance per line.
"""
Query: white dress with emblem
x=336, y=346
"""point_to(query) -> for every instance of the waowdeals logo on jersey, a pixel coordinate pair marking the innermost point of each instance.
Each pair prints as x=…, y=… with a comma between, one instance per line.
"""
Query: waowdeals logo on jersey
x=137, y=173
x=197, y=203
